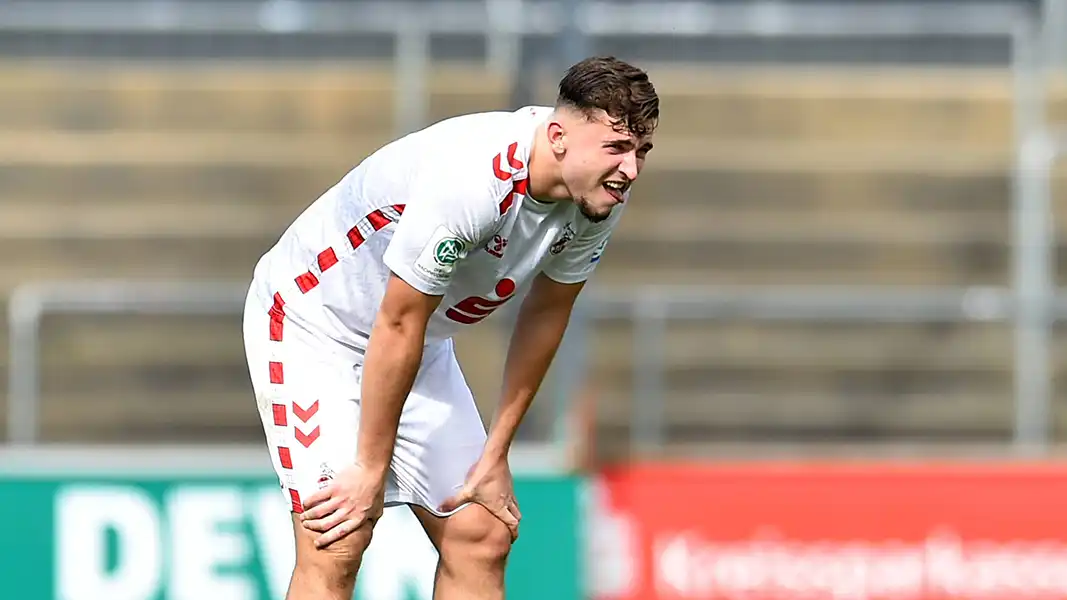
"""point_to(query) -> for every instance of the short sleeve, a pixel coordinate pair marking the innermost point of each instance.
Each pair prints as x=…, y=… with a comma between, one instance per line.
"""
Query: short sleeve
x=445, y=219
x=580, y=258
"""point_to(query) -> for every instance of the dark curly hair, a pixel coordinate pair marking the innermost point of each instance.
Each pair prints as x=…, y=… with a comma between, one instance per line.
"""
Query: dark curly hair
x=618, y=88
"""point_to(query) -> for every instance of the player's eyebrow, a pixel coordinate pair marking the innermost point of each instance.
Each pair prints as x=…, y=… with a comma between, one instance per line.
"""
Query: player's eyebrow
x=627, y=143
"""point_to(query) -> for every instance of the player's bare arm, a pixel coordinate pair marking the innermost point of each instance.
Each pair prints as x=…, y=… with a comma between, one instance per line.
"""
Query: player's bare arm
x=541, y=323
x=392, y=362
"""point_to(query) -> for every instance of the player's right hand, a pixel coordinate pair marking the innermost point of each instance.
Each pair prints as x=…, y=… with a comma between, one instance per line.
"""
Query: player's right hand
x=354, y=499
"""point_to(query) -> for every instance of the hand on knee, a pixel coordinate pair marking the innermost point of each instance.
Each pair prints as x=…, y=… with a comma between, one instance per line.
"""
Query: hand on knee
x=475, y=541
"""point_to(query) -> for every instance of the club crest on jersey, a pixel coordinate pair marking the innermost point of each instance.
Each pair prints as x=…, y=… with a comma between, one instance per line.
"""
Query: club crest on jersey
x=497, y=245
x=564, y=238
x=326, y=475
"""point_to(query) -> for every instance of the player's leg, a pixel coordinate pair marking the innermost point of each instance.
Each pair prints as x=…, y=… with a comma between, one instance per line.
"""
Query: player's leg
x=441, y=436
x=473, y=546
x=328, y=573
x=307, y=401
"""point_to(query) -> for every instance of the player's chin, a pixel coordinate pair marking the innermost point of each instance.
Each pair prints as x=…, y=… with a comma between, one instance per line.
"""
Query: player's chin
x=596, y=214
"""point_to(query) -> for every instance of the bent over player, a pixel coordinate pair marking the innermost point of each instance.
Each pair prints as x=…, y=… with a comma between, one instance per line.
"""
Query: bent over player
x=349, y=320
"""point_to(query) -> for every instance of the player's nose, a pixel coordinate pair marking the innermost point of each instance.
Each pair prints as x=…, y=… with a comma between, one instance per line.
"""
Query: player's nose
x=628, y=166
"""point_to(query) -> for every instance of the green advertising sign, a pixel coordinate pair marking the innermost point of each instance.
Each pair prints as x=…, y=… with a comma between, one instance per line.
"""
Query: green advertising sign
x=158, y=536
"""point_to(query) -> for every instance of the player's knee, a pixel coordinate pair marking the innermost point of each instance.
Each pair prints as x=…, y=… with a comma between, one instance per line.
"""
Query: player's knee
x=336, y=565
x=476, y=538
x=338, y=561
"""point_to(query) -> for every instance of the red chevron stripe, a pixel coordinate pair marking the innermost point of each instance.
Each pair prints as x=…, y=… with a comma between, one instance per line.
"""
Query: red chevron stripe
x=327, y=259
x=277, y=318
x=514, y=162
x=298, y=506
x=307, y=282
x=303, y=414
x=307, y=439
x=501, y=174
x=378, y=220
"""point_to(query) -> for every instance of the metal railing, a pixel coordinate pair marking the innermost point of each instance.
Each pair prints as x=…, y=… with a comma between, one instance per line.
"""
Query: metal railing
x=649, y=309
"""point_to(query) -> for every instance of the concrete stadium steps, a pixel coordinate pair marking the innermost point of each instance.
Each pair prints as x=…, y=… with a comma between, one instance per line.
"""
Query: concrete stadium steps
x=161, y=251
x=745, y=223
x=863, y=245
x=965, y=106
x=857, y=383
x=806, y=384
x=746, y=346
x=161, y=218
x=864, y=225
x=346, y=99
x=758, y=177
x=845, y=105
x=150, y=378
x=740, y=260
x=179, y=378
x=204, y=414
x=152, y=258
x=144, y=378
x=702, y=419
x=266, y=167
x=258, y=186
x=189, y=149
x=812, y=175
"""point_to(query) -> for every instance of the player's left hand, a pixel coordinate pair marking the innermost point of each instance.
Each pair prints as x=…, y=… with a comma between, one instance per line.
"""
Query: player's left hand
x=490, y=484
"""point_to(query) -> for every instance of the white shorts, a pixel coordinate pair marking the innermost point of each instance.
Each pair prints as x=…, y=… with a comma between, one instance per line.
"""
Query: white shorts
x=308, y=393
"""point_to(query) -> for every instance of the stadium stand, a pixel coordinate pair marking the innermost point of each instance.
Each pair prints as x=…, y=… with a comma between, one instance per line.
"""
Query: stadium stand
x=760, y=177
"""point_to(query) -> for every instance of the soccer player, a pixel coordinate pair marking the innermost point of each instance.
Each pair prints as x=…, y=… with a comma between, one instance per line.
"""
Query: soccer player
x=349, y=320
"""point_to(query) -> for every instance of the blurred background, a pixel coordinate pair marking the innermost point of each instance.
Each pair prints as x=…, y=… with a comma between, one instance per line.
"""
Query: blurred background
x=843, y=250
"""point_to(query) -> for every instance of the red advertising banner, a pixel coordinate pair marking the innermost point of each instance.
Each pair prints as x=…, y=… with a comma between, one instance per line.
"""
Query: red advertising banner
x=864, y=531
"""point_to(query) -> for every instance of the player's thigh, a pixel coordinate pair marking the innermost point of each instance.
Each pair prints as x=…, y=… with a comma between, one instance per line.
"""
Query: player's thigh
x=441, y=434
x=470, y=537
x=307, y=398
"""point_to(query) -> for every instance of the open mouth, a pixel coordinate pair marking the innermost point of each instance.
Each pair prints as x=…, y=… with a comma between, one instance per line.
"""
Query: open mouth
x=616, y=189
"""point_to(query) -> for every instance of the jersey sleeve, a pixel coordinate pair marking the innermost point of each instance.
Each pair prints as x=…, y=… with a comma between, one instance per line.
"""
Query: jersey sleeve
x=580, y=258
x=447, y=216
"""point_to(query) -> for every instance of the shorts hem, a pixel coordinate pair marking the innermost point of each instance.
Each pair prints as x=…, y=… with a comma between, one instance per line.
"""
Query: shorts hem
x=401, y=498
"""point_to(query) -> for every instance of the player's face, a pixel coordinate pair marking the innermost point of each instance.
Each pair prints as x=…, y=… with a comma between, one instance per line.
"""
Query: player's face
x=600, y=165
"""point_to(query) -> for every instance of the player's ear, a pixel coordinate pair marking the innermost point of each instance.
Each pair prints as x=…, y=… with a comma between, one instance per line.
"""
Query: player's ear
x=557, y=135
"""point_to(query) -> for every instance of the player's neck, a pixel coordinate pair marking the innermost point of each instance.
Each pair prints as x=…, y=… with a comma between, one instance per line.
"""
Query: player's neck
x=546, y=179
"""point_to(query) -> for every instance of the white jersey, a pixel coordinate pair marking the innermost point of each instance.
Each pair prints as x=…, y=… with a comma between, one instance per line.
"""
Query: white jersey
x=447, y=210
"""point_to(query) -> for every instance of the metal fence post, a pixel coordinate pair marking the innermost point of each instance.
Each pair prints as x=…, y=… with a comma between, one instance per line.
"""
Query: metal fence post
x=1033, y=295
x=1033, y=278
x=570, y=370
x=574, y=43
x=501, y=42
x=649, y=324
x=412, y=70
x=23, y=377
